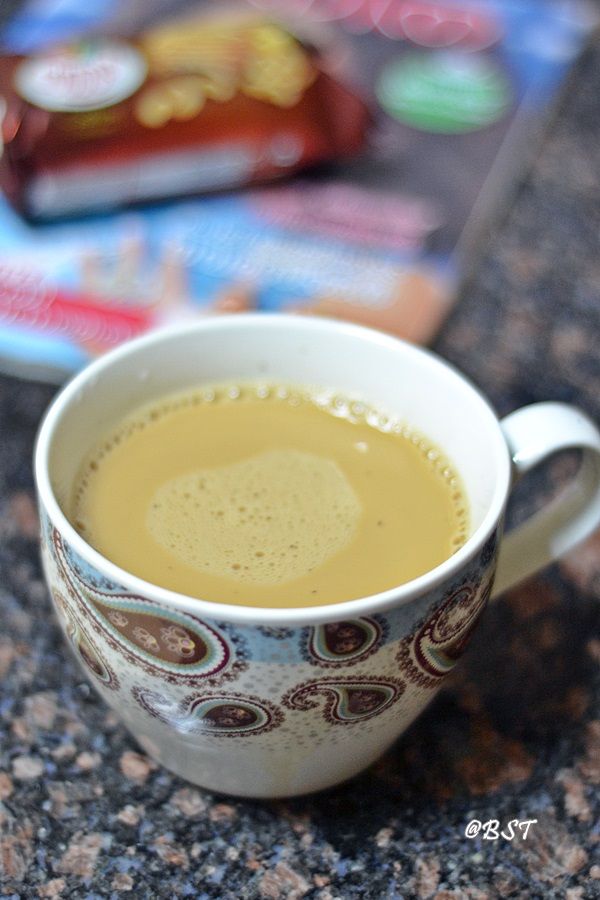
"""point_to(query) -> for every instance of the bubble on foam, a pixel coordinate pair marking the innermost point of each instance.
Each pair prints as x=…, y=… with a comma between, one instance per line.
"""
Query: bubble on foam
x=283, y=489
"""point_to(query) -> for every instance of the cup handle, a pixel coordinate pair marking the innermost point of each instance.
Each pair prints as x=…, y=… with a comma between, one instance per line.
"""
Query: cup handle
x=533, y=433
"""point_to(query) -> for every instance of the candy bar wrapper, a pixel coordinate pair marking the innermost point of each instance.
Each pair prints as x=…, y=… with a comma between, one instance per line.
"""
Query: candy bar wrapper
x=194, y=105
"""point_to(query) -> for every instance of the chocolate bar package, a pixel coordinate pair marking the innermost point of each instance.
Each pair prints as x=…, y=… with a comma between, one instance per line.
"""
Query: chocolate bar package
x=402, y=129
x=198, y=104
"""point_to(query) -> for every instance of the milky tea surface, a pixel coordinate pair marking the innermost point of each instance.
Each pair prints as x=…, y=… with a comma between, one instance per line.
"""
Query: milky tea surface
x=269, y=495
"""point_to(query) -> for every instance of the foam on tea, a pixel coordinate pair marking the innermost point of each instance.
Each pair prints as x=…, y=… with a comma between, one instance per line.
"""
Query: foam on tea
x=269, y=495
x=248, y=520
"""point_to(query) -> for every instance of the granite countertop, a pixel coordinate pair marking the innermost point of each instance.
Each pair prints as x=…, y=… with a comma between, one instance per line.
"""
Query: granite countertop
x=514, y=735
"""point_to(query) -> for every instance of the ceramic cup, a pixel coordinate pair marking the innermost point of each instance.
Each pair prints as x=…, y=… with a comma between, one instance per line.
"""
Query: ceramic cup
x=275, y=702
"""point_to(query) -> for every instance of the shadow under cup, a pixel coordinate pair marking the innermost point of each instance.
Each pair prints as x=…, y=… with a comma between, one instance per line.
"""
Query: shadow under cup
x=255, y=701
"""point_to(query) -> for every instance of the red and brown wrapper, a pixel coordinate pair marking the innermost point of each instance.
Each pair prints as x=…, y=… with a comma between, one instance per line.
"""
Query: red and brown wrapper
x=197, y=105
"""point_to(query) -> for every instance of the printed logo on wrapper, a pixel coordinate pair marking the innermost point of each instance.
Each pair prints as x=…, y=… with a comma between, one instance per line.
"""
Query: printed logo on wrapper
x=82, y=77
x=448, y=93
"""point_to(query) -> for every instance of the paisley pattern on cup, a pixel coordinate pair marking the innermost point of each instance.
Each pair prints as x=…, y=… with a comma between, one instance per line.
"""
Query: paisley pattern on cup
x=433, y=650
x=85, y=650
x=172, y=645
x=230, y=714
x=141, y=637
x=277, y=633
x=345, y=700
x=338, y=644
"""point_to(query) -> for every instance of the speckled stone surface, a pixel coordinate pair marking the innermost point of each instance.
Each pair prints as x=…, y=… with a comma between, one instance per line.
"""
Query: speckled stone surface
x=514, y=735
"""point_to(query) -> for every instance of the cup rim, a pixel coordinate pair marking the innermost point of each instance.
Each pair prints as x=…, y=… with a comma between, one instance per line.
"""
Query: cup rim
x=256, y=615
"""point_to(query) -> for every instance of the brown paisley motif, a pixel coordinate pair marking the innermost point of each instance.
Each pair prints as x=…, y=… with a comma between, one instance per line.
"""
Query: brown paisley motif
x=345, y=700
x=230, y=714
x=93, y=659
x=345, y=643
x=176, y=647
x=85, y=649
x=426, y=656
x=60, y=602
